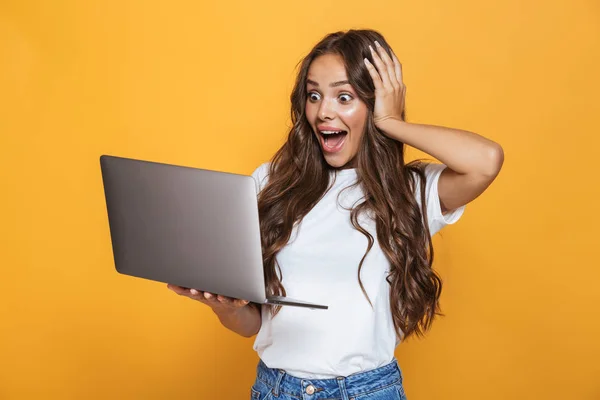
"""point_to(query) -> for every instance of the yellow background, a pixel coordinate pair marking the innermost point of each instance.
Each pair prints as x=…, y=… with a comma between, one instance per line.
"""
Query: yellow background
x=207, y=84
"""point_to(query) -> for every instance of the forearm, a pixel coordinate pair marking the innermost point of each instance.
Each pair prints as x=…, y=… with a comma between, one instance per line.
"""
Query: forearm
x=244, y=321
x=462, y=151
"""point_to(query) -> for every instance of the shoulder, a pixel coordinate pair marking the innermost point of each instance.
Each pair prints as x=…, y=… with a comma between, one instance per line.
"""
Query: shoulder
x=261, y=175
x=432, y=171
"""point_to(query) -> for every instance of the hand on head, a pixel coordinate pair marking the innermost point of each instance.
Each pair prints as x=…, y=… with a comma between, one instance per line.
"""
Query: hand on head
x=390, y=90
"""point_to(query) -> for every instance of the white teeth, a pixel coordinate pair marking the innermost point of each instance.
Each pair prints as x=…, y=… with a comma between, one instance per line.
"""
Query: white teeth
x=330, y=132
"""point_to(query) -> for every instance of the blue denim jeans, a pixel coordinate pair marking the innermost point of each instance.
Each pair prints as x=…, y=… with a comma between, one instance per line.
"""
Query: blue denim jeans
x=383, y=383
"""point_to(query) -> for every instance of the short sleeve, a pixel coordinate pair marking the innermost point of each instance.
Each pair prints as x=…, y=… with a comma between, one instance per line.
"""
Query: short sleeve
x=436, y=219
x=260, y=176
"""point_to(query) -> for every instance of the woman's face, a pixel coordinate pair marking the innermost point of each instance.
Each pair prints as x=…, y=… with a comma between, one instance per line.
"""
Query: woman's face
x=334, y=111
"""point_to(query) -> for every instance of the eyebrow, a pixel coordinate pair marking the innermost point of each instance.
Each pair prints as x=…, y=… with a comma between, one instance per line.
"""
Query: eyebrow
x=334, y=84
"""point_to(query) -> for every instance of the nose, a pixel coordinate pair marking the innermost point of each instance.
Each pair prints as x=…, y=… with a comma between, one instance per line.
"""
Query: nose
x=326, y=110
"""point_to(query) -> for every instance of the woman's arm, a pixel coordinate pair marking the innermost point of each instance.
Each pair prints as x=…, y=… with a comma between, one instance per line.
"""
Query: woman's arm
x=472, y=161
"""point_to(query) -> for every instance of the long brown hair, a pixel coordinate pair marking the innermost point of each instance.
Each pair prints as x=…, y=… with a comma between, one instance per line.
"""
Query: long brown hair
x=299, y=176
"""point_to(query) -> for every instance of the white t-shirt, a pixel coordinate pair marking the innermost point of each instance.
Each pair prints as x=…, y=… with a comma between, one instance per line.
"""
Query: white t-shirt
x=320, y=264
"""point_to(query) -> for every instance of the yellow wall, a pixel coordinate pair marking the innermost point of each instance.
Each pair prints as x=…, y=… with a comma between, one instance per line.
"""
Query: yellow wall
x=206, y=84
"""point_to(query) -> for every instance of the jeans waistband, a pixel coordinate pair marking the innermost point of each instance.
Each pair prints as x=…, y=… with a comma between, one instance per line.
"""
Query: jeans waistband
x=340, y=387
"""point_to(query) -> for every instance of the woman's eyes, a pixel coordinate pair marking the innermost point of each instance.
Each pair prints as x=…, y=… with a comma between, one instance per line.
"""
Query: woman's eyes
x=312, y=96
x=344, y=97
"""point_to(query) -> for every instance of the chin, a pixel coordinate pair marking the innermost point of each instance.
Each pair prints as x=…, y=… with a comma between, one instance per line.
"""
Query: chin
x=338, y=162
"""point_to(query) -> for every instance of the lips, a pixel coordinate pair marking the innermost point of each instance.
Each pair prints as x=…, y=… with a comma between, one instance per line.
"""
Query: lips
x=328, y=128
x=332, y=139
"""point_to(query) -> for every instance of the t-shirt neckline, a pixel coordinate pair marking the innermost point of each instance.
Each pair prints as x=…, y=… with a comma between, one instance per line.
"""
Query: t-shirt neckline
x=344, y=172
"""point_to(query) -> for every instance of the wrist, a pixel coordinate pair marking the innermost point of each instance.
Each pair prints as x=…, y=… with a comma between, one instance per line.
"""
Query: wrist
x=392, y=127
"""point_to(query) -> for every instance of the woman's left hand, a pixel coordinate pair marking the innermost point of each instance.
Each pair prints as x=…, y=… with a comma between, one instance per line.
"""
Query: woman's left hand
x=389, y=88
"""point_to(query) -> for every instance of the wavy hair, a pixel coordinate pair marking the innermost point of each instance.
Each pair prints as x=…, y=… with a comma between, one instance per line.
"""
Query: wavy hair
x=299, y=176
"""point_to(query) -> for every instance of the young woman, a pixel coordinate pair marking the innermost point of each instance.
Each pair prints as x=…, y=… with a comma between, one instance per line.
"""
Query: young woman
x=345, y=222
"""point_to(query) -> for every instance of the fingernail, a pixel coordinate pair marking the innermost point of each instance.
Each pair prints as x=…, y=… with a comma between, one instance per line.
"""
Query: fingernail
x=207, y=295
x=370, y=47
x=377, y=44
x=194, y=291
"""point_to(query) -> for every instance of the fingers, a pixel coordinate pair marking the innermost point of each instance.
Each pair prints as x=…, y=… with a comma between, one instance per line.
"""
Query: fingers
x=240, y=303
x=374, y=75
x=204, y=297
x=178, y=289
x=389, y=70
x=397, y=69
x=387, y=65
x=191, y=293
x=230, y=301
x=381, y=68
x=207, y=297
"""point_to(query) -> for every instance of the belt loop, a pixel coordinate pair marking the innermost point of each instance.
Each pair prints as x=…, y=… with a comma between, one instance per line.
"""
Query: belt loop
x=280, y=374
x=342, y=384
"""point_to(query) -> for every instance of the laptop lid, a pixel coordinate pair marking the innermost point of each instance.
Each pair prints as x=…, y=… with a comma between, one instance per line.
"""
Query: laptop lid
x=187, y=226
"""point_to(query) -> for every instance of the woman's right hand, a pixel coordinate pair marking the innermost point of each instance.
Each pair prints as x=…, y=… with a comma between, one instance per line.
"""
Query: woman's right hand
x=219, y=304
x=235, y=314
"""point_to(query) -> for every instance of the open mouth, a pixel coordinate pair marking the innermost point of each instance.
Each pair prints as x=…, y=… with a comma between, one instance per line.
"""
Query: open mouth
x=333, y=141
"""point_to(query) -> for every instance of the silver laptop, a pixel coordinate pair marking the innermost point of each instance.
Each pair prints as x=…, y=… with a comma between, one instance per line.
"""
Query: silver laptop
x=187, y=226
